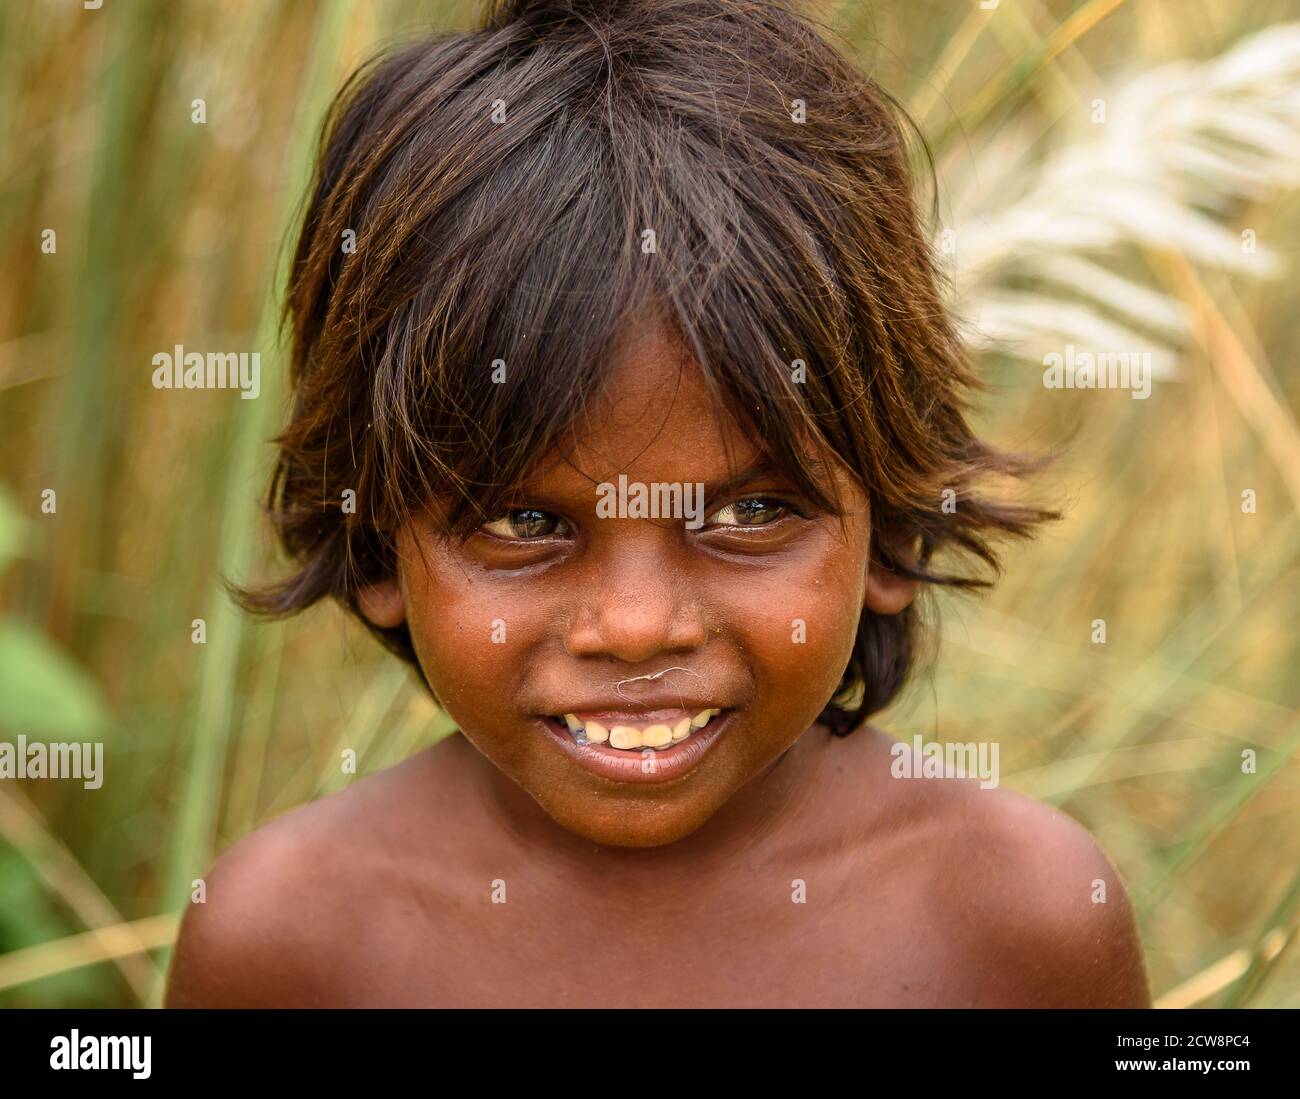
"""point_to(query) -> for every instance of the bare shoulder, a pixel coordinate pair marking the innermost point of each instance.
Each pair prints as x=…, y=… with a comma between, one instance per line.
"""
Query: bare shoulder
x=278, y=903
x=1053, y=920
x=1022, y=896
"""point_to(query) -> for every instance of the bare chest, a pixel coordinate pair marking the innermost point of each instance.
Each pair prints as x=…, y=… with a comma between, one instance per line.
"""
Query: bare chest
x=768, y=938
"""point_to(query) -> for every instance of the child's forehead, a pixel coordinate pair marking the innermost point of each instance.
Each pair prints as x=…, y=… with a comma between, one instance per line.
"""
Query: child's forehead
x=665, y=446
x=655, y=419
x=567, y=477
x=648, y=394
x=656, y=450
x=649, y=369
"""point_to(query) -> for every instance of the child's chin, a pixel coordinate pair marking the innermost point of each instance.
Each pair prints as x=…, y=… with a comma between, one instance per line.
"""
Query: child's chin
x=608, y=832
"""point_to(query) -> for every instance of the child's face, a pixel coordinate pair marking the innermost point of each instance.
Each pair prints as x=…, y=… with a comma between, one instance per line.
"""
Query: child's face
x=545, y=610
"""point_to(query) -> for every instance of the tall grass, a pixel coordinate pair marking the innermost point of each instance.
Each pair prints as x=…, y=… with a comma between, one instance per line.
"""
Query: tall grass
x=170, y=231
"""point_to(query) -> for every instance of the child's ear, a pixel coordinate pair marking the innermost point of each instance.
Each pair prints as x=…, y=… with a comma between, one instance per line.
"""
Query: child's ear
x=382, y=603
x=888, y=592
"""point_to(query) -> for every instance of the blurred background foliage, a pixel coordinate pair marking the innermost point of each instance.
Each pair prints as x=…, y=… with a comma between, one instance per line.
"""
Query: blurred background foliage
x=1128, y=231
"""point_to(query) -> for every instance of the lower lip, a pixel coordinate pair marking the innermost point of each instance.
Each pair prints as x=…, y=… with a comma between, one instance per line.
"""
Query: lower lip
x=622, y=765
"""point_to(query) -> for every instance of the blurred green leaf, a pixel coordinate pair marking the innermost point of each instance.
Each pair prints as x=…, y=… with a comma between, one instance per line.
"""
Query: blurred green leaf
x=45, y=692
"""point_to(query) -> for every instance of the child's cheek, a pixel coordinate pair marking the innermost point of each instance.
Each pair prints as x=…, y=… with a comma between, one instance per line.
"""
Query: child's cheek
x=468, y=658
x=467, y=643
x=800, y=630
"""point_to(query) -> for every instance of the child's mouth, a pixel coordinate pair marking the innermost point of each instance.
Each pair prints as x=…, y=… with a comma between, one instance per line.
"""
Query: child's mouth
x=632, y=735
x=632, y=748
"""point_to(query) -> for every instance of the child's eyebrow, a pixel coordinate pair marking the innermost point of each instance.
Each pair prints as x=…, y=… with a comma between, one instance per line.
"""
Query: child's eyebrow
x=722, y=486
x=725, y=486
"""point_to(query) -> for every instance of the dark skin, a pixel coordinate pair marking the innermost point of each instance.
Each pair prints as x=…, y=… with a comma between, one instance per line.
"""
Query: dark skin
x=676, y=894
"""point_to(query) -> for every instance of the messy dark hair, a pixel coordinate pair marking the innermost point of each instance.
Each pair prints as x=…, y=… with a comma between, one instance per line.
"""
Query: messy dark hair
x=483, y=196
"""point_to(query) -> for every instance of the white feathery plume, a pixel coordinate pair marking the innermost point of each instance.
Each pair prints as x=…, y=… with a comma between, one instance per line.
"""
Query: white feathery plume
x=1182, y=148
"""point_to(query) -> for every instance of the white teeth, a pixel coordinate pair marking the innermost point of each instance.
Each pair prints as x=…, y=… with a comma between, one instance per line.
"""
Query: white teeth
x=656, y=736
x=624, y=736
x=627, y=737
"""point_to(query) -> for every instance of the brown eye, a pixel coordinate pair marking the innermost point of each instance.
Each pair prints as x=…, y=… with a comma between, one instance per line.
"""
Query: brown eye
x=523, y=524
x=752, y=511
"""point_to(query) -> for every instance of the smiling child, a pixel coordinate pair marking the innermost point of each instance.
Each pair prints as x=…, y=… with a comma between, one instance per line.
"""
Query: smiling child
x=666, y=249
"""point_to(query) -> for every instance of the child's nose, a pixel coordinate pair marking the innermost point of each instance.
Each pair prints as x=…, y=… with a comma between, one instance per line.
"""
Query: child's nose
x=634, y=611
